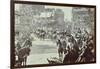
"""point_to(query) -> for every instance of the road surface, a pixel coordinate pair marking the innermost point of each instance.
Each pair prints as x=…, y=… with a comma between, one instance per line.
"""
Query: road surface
x=41, y=50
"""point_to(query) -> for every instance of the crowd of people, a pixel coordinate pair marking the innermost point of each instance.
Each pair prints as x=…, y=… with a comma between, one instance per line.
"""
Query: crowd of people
x=75, y=47
x=72, y=47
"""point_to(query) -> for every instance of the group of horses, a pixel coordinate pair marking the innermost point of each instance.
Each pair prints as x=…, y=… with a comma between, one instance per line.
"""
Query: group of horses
x=75, y=50
x=40, y=34
x=44, y=34
x=21, y=52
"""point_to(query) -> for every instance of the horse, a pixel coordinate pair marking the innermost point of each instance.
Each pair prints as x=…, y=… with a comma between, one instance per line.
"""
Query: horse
x=42, y=35
x=22, y=56
x=23, y=52
x=72, y=51
x=61, y=48
x=70, y=57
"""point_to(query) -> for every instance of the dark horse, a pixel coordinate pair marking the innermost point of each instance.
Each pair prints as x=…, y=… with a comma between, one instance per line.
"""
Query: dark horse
x=23, y=52
x=42, y=35
x=72, y=53
x=22, y=55
x=61, y=48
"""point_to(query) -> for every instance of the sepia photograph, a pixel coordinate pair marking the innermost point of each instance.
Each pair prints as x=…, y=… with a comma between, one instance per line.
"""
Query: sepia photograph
x=52, y=34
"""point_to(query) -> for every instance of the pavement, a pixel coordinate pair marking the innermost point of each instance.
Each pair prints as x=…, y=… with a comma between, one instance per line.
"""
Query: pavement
x=41, y=50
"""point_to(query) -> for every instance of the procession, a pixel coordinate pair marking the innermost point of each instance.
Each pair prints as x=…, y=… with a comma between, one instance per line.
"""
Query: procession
x=53, y=35
x=71, y=48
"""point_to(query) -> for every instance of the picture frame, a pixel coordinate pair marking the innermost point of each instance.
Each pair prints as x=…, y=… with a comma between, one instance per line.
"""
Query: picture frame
x=39, y=30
